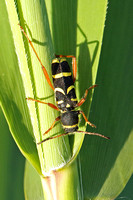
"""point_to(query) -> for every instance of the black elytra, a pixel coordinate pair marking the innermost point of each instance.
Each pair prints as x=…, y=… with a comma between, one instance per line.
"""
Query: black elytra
x=65, y=95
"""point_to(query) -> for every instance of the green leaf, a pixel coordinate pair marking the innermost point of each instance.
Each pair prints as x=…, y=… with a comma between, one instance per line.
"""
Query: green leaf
x=11, y=165
x=52, y=154
x=77, y=29
x=32, y=183
x=127, y=192
x=106, y=166
x=12, y=93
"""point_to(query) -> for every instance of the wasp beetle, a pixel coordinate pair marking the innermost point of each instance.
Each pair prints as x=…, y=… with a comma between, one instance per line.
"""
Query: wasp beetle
x=65, y=95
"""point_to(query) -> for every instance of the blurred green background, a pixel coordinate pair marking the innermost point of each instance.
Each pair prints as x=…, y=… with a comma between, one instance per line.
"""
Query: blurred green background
x=11, y=165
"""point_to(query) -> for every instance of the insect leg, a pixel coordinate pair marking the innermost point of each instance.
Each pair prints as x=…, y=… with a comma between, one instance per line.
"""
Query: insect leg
x=85, y=96
x=74, y=64
x=49, y=104
x=43, y=68
x=50, y=138
x=89, y=133
x=92, y=125
x=56, y=120
x=64, y=134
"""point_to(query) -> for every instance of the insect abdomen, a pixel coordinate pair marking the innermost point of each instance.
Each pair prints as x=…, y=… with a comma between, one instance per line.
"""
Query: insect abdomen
x=70, y=121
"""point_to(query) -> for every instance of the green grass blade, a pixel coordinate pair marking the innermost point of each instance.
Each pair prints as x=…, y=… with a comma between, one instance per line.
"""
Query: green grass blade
x=107, y=165
x=56, y=153
x=127, y=192
x=11, y=165
x=12, y=94
x=32, y=184
x=77, y=29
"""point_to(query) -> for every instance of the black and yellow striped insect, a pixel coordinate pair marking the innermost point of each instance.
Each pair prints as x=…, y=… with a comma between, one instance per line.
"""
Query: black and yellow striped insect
x=65, y=95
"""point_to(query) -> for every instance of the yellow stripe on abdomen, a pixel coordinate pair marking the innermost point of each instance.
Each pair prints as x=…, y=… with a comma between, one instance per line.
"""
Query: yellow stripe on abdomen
x=60, y=75
x=70, y=126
